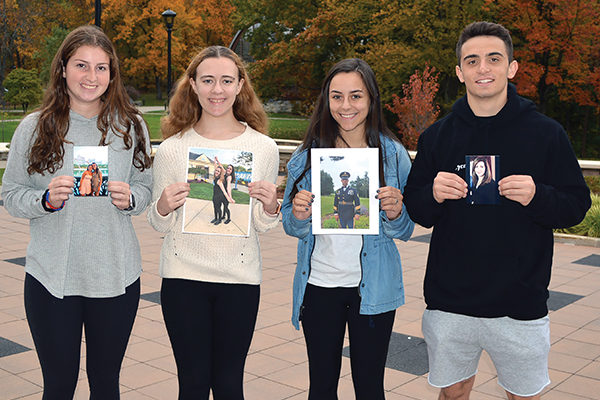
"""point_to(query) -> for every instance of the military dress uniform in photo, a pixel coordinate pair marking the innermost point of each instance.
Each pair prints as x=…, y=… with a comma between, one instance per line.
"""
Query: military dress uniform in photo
x=346, y=203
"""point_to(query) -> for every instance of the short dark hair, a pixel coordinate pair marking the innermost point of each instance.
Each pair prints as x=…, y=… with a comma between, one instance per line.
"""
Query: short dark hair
x=484, y=28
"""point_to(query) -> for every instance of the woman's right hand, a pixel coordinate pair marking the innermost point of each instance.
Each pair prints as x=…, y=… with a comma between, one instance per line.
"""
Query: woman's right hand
x=172, y=197
x=59, y=190
x=302, y=204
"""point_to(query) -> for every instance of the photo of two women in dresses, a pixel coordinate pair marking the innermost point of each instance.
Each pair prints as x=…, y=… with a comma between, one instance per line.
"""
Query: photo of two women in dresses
x=218, y=201
x=88, y=163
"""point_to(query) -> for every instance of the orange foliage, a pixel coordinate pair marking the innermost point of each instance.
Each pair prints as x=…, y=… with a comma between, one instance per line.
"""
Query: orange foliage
x=416, y=111
x=137, y=29
x=557, y=47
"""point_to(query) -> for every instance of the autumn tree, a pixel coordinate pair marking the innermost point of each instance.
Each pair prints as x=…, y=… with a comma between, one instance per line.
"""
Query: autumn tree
x=557, y=47
x=25, y=24
x=295, y=42
x=137, y=29
x=416, y=110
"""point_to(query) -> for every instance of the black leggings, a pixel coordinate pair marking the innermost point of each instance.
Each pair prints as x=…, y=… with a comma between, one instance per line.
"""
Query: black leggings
x=210, y=326
x=226, y=212
x=56, y=326
x=325, y=312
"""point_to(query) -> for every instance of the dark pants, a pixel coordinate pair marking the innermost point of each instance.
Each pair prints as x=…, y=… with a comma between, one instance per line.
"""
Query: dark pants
x=346, y=215
x=56, y=327
x=210, y=326
x=226, y=212
x=325, y=313
x=217, y=209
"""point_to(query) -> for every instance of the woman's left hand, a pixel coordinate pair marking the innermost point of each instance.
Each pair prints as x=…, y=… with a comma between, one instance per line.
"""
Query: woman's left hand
x=266, y=192
x=390, y=201
x=119, y=194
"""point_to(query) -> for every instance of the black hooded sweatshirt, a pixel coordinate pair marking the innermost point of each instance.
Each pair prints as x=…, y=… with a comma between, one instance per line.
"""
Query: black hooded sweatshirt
x=495, y=260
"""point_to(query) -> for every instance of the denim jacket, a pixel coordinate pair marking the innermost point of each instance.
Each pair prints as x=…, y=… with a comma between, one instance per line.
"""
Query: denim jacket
x=381, y=288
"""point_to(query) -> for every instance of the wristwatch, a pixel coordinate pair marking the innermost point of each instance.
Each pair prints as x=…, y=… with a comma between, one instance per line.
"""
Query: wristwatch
x=131, y=203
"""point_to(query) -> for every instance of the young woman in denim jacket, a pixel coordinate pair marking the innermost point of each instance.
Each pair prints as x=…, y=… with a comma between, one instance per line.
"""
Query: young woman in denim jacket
x=348, y=279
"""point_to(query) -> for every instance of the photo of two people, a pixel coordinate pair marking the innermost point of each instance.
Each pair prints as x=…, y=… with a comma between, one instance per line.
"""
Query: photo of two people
x=90, y=169
x=218, y=202
x=345, y=182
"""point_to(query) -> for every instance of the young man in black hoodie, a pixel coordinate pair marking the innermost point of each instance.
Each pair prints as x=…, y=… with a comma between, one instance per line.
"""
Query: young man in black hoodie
x=488, y=268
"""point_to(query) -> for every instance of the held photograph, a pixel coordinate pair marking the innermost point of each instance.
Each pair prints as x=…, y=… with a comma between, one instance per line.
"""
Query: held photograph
x=90, y=169
x=218, y=202
x=345, y=183
x=482, y=177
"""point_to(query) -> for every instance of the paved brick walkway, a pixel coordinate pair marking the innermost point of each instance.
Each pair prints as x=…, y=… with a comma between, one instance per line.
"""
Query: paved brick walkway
x=277, y=366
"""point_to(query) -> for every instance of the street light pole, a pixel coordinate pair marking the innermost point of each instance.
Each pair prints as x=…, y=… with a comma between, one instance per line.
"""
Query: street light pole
x=97, y=12
x=169, y=17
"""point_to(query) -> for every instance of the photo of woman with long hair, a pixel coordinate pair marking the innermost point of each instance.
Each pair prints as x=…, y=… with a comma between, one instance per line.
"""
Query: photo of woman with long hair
x=483, y=188
x=66, y=290
x=214, y=107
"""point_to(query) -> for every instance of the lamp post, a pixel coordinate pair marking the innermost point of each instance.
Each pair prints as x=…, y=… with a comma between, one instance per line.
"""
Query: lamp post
x=169, y=17
x=97, y=12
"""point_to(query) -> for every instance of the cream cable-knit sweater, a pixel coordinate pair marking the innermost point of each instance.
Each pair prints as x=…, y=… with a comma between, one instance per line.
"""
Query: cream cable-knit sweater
x=203, y=257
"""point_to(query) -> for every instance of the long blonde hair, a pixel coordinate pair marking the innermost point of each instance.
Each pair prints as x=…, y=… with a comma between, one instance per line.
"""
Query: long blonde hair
x=185, y=110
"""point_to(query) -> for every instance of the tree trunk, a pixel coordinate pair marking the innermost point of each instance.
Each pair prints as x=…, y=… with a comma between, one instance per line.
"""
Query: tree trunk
x=158, y=88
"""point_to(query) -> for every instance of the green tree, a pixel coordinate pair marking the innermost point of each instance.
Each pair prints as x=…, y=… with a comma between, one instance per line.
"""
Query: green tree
x=326, y=184
x=48, y=49
x=361, y=185
x=23, y=87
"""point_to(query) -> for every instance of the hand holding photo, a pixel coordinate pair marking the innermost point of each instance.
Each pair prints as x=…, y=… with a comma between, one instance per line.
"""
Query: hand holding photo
x=345, y=183
x=90, y=169
x=482, y=177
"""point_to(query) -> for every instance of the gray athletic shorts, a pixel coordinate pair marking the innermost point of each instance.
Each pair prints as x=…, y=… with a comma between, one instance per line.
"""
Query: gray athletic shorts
x=519, y=350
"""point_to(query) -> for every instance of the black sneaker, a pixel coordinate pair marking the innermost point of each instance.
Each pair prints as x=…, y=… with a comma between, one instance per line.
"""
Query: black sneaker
x=227, y=221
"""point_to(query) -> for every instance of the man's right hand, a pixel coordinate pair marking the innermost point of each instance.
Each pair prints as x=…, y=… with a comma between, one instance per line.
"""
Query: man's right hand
x=448, y=186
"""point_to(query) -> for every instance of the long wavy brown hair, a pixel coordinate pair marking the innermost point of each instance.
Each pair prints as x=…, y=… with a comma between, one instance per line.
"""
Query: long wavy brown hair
x=185, y=109
x=116, y=113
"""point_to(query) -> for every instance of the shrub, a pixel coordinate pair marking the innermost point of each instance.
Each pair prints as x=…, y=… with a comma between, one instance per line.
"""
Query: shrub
x=590, y=226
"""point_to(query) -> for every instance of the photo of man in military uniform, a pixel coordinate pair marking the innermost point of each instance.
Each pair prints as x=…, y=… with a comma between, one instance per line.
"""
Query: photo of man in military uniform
x=346, y=204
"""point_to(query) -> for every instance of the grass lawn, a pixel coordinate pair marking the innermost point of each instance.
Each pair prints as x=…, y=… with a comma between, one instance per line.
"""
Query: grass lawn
x=7, y=129
x=278, y=128
x=1, y=175
x=153, y=121
x=204, y=191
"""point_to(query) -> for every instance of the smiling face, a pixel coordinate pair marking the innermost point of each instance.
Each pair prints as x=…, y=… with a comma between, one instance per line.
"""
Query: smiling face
x=229, y=169
x=349, y=102
x=480, y=169
x=87, y=75
x=216, y=85
x=485, y=70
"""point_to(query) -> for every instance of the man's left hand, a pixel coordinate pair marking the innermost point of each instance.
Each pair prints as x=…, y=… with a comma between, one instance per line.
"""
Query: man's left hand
x=519, y=188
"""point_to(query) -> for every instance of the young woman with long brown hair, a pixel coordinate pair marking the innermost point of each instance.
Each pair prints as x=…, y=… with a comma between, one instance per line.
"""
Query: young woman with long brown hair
x=210, y=288
x=348, y=280
x=73, y=282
